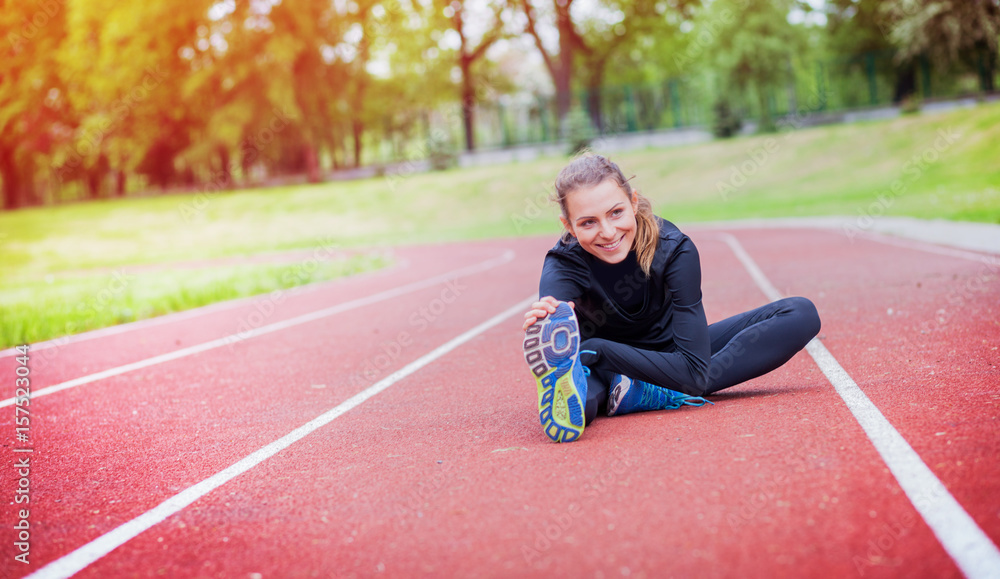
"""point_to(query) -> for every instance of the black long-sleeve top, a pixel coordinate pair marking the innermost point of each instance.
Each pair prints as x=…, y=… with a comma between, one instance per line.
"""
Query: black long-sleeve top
x=618, y=302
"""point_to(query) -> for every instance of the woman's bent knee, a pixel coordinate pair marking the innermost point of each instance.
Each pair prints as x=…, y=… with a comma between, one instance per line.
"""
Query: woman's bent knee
x=807, y=314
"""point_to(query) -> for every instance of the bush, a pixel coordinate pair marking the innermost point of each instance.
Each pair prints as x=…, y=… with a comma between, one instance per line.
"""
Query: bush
x=911, y=104
x=441, y=153
x=579, y=131
x=726, y=123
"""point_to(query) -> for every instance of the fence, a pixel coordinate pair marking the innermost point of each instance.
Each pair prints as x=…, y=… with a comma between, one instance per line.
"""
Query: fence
x=812, y=87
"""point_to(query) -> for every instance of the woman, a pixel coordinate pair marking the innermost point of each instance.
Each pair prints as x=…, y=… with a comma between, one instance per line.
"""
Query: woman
x=620, y=323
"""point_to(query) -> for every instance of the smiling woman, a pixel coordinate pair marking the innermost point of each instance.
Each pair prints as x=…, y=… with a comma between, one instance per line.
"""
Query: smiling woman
x=621, y=325
x=609, y=217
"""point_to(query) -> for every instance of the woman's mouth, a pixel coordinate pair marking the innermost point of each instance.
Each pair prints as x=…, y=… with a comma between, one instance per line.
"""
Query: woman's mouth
x=611, y=246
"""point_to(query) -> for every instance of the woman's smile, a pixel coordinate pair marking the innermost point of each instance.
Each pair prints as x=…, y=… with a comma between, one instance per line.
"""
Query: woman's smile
x=613, y=245
x=602, y=218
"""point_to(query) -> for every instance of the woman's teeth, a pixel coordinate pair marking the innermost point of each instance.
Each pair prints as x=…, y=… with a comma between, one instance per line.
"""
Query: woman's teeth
x=612, y=246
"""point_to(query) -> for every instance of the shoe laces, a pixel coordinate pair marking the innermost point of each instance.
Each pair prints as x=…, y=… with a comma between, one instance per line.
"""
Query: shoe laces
x=586, y=370
x=666, y=398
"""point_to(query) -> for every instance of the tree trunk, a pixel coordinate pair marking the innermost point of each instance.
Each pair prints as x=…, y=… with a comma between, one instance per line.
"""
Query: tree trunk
x=29, y=196
x=11, y=180
x=564, y=98
x=246, y=163
x=906, y=82
x=468, y=102
x=357, y=129
x=95, y=176
x=766, y=122
x=120, y=183
x=594, y=85
x=563, y=77
x=990, y=71
x=94, y=183
x=226, y=176
x=312, y=163
x=594, y=107
x=336, y=146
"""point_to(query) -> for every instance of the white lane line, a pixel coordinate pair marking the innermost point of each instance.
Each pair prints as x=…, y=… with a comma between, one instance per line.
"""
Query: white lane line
x=199, y=311
x=303, y=319
x=985, y=258
x=973, y=551
x=77, y=560
x=842, y=225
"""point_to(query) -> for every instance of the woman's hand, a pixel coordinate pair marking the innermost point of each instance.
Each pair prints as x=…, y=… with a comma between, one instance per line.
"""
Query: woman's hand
x=540, y=309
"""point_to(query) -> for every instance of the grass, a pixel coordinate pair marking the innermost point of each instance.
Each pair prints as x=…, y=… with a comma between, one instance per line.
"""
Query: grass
x=49, y=307
x=836, y=170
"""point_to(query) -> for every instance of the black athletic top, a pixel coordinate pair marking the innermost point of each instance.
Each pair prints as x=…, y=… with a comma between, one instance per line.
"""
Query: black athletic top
x=617, y=302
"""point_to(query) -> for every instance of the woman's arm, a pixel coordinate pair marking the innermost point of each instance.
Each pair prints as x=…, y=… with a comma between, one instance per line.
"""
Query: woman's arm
x=560, y=281
x=689, y=324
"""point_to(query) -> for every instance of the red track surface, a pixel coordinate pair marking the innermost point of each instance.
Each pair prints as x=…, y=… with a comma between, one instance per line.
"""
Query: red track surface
x=447, y=472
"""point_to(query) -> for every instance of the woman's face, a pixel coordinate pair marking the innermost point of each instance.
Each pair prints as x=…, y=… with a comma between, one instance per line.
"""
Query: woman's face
x=602, y=218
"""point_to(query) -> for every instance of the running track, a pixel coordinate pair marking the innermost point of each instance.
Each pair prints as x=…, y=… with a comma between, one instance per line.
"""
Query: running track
x=338, y=438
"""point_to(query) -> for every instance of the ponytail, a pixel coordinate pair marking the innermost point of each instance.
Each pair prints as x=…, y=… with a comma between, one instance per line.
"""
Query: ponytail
x=647, y=233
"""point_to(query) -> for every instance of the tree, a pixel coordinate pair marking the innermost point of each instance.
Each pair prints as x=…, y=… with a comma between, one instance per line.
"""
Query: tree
x=126, y=72
x=626, y=25
x=302, y=31
x=854, y=35
x=751, y=45
x=32, y=95
x=468, y=55
x=949, y=31
x=560, y=65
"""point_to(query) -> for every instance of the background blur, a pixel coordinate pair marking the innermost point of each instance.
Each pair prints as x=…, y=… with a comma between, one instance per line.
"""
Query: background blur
x=160, y=156
x=100, y=98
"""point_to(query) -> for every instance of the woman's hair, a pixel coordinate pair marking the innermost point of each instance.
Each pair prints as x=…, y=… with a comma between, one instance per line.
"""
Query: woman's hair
x=589, y=170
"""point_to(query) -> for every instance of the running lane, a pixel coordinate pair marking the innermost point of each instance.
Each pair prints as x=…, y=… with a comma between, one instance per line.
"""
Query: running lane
x=919, y=332
x=64, y=359
x=448, y=473
x=107, y=451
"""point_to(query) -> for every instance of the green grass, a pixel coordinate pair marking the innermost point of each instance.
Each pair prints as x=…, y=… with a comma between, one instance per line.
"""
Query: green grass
x=40, y=309
x=836, y=170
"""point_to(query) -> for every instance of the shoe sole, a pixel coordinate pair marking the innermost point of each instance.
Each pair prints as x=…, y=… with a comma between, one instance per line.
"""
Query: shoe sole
x=618, y=393
x=551, y=349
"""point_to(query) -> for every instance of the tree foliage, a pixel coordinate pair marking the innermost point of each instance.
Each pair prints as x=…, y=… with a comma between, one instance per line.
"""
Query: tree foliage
x=751, y=44
x=101, y=97
x=948, y=31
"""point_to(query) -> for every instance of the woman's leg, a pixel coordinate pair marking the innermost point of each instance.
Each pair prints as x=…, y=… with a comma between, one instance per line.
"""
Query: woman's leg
x=598, y=384
x=754, y=343
x=743, y=347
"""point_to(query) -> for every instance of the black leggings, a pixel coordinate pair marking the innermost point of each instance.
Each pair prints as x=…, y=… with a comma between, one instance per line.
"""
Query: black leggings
x=744, y=346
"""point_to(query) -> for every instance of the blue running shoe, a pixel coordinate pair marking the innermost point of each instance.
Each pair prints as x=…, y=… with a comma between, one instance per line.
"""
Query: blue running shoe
x=552, y=351
x=629, y=395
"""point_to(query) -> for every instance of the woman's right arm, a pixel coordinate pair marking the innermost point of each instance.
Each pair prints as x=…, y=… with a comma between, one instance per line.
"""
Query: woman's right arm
x=560, y=281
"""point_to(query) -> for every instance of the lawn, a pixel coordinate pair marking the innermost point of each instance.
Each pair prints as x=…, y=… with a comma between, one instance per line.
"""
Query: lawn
x=59, y=261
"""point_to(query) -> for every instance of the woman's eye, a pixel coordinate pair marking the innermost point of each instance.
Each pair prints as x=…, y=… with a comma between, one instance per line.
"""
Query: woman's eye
x=617, y=212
